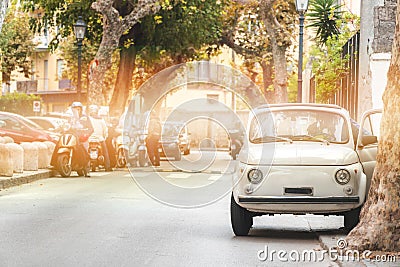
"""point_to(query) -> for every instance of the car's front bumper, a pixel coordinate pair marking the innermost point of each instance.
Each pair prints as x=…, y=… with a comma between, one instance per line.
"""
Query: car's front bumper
x=322, y=194
x=299, y=200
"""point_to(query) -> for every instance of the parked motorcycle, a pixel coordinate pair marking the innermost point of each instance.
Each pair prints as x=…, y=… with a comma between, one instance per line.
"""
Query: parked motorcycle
x=122, y=148
x=70, y=153
x=236, y=143
x=131, y=149
x=95, y=153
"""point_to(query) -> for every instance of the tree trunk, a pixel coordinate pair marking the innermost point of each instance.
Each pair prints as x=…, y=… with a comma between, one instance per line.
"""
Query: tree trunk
x=275, y=33
x=124, y=80
x=267, y=80
x=114, y=26
x=107, y=46
x=379, y=227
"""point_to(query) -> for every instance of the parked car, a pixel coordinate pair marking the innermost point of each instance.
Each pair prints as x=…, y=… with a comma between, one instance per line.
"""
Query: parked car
x=301, y=158
x=51, y=124
x=175, y=140
x=22, y=129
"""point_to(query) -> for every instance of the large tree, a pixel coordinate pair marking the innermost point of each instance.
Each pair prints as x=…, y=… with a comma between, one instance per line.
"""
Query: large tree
x=178, y=32
x=379, y=227
x=16, y=44
x=114, y=27
x=251, y=33
x=278, y=20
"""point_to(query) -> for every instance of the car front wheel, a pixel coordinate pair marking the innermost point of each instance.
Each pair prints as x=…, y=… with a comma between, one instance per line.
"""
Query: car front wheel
x=241, y=219
x=351, y=218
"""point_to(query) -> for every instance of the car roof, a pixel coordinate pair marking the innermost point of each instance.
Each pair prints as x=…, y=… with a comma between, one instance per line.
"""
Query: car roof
x=316, y=105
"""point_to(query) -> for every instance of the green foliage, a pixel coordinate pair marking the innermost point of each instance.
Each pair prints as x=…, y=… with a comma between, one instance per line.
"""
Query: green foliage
x=62, y=15
x=183, y=30
x=292, y=87
x=328, y=65
x=323, y=15
x=19, y=103
x=16, y=44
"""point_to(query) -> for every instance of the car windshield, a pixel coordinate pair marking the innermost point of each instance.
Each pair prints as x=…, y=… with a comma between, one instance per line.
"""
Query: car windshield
x=171, y=129
x=299, y=125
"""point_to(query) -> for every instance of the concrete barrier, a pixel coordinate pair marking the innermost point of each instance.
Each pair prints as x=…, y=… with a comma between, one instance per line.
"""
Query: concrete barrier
x=31, y=156
x=50, y=149
x=17, y=157
x=6, y=163
x=8, y=139
x=43, y=156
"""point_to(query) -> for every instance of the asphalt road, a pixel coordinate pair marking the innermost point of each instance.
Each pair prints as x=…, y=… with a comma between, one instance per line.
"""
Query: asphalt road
x=107, y=220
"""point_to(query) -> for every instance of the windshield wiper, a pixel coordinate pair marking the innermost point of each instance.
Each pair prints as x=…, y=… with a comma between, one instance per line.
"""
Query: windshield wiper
x=271, y=139
x=314, y=138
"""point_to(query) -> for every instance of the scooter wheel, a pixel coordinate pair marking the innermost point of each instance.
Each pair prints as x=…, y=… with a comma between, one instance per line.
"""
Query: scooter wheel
x=64, y=168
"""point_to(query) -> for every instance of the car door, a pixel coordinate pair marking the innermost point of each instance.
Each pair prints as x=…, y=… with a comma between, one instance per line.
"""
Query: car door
x=367, y=141
x=13, y=128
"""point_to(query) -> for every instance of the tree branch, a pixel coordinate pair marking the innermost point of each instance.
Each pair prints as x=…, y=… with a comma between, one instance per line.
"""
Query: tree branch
x=142, y=9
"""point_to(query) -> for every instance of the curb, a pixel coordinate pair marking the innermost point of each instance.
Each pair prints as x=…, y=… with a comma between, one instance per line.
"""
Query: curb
x=330, y=241
x=24, y=178
x=149, y=169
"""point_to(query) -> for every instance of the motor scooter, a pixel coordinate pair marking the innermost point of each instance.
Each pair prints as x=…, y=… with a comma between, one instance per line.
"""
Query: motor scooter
x=235, y=144
x=70, y=153
x=95, y=153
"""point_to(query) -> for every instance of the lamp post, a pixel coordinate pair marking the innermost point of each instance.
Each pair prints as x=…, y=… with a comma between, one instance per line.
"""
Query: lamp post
x=79, y=30
x=301, y=7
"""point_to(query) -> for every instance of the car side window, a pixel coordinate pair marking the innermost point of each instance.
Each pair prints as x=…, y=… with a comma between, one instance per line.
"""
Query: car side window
x=11, y=124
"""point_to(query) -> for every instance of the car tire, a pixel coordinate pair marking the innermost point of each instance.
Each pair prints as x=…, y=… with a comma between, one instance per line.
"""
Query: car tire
x=178, y=156
x=63, y=166
x=93, y=167
x=351, y=218
x=186, y=151
x=81, y=172
x=241, y=219
x=234, y=156
x=142, y=158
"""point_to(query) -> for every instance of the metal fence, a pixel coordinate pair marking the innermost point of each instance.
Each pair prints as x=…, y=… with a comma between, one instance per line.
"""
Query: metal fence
x=347, y=95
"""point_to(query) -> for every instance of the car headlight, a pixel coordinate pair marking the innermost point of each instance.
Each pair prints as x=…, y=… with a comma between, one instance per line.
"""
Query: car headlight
x=342, y=176
x=254, y=176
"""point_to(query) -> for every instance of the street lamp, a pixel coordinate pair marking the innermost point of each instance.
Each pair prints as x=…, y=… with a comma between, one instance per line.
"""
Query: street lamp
x=79, y=29
x=301, y=7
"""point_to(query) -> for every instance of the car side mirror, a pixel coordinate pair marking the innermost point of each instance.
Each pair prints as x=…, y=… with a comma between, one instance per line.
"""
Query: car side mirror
x=368, y=139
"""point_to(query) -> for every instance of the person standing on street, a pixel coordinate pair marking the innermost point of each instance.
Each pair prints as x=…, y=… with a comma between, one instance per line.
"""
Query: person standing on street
x=153, y=138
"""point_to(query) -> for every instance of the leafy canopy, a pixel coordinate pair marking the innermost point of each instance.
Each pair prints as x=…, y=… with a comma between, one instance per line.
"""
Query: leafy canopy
x=16, y=44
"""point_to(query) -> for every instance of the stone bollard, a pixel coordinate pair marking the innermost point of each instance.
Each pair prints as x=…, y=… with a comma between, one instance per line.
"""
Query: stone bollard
x=31, y=156
x=50, y=149
x=43, y=159
x=6, y=162
x=8, y=139
x=17, y=156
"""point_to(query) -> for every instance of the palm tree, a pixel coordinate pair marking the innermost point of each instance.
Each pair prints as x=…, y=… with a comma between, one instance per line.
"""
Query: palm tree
x=323, y=15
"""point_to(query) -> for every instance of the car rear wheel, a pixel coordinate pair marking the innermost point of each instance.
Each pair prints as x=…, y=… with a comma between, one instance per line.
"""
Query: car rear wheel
x=187, y=150
x=241, y=219
x=142, y=158
x=351, y=218
x=178, y=155
x=64, y=168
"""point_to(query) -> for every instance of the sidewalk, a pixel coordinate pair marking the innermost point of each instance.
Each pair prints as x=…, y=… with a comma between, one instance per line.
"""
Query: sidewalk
x=329, y=241
x=24, y=178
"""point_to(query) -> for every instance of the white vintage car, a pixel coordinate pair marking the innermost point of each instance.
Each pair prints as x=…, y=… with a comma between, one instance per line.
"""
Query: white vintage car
x=304, y=158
